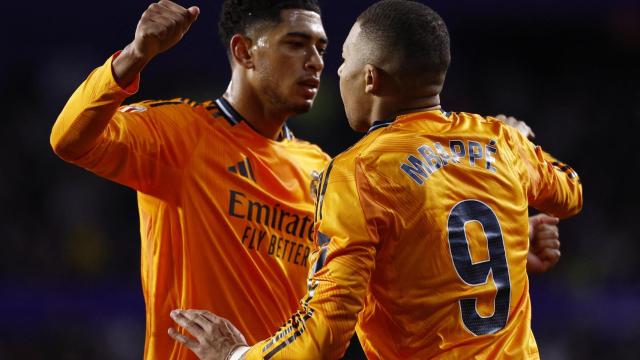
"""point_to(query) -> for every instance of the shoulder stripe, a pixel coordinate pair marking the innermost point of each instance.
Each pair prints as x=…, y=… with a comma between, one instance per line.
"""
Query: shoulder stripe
x=178, y=101
x=189, y=102
x=322, y=191
x=567, y=170
x=161, y=103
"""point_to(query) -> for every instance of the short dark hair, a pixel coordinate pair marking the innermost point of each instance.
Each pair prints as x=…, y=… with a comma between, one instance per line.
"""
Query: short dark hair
x=411, y=31
x=239, y=16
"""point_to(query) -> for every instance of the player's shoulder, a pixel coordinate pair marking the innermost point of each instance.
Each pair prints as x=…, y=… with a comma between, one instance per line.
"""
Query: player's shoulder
x=154, y=104
x=309, y=149
x=344, y=164
x=359, y=149
x=382, y=138
x=387, y=140
x=177, y=108
x=175, y=105
x=488, y=125
x=472, y=119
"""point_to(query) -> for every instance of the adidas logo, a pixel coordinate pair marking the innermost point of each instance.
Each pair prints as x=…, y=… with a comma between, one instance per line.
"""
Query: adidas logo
x=243, y=168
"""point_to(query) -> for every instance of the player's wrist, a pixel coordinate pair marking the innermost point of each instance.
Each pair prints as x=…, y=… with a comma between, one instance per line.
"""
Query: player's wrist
x=136, y=55
x=127, y=65
x=238, y=352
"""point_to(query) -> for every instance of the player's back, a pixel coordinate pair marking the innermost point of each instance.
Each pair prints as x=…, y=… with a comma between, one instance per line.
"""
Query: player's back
x=450, y=276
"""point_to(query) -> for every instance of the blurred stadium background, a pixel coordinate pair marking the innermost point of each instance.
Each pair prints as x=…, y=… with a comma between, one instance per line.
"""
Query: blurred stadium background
x=69, y=264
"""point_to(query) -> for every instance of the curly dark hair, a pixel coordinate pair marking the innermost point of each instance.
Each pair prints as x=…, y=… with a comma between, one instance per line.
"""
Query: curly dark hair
x=239, y=16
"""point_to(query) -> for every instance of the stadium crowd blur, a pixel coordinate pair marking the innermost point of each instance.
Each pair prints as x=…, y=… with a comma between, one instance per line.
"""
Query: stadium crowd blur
x=69, y=240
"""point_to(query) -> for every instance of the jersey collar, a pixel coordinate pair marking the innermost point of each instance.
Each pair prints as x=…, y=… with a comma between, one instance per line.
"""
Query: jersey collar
x=234, y=118
x=380, y=124
x=384, y=123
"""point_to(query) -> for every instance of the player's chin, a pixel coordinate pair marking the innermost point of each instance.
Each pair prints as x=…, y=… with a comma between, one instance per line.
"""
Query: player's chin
x=302, y=106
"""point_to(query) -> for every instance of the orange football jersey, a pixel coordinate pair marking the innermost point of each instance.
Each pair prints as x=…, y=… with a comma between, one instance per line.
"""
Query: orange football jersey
x=226, y=215
x=422, y=240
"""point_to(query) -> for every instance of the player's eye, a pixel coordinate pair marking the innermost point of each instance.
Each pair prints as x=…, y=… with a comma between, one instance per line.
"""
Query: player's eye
x=296, y=44
x=322, y=51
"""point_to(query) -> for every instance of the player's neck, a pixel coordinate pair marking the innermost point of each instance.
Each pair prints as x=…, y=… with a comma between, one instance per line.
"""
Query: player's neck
x=263, y=120
x=390, y=108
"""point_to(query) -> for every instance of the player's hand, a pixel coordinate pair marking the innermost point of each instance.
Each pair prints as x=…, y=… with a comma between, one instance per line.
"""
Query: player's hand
x=213, y=337
x=544, y=248
x=519, y=125
x=161, y=26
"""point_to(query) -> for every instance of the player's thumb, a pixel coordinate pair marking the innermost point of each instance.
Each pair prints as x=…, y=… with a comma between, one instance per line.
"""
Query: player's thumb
x=194, y=11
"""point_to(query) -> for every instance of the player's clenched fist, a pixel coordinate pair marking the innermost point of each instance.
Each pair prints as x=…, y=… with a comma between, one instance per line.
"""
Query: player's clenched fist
x=161, y=26
x=544, y=248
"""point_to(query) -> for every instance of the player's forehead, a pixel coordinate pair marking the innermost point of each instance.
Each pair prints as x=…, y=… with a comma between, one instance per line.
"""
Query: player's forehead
x=352, y=39
x=298, y=21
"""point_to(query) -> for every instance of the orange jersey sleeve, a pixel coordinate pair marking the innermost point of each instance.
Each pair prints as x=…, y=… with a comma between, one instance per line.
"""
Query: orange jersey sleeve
x=226, y=215
x=342, y=265
x=423, y=228
x=144, y=146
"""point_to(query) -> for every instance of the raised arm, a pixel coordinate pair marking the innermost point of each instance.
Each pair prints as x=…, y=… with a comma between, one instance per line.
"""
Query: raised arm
x=142, y=146
x=91, y=108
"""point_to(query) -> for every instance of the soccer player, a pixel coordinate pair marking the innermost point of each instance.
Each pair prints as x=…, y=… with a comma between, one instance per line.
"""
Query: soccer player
x=225, y=209
x=422, y=225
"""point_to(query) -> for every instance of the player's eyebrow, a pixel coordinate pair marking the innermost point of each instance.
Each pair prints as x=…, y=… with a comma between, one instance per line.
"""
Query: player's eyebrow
x=306, y=36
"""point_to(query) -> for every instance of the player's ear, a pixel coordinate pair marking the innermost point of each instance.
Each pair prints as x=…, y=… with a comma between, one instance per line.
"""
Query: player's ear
x=372, y=78
x=240, y=52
